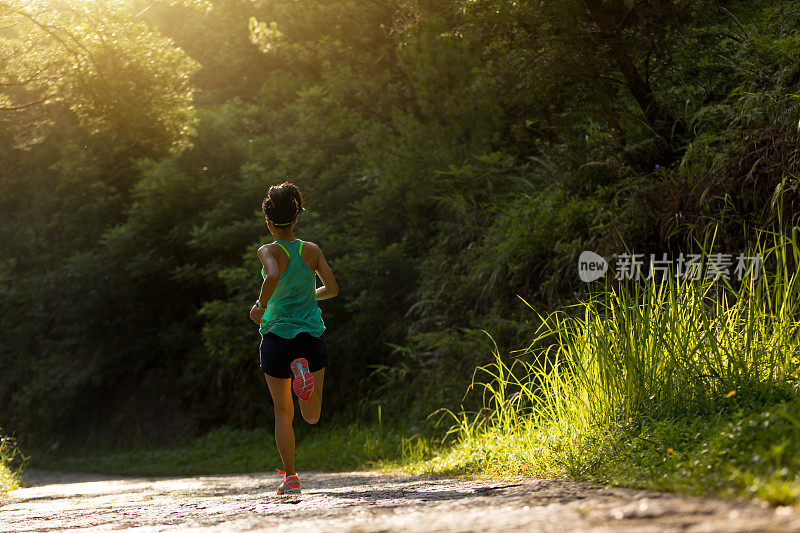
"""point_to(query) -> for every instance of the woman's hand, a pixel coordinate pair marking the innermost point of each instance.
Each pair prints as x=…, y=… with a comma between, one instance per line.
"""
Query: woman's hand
x=256, y=314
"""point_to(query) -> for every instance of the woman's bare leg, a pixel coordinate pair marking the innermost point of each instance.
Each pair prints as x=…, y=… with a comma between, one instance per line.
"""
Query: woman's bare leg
x=281, y=392
x=311, y=409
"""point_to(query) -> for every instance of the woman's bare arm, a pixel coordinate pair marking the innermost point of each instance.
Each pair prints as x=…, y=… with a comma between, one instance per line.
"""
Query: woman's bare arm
x=329, y=287
x=272, y=272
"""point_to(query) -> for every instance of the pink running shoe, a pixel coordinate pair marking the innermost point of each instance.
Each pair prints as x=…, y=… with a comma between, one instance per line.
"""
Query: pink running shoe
x=290, y=485
x=303, y=384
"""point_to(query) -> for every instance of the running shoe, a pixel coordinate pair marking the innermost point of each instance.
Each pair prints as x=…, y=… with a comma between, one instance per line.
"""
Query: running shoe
x=303, y=384
x=290, y=485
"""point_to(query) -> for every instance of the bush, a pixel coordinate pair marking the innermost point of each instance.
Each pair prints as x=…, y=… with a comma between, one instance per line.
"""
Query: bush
x=10, y=464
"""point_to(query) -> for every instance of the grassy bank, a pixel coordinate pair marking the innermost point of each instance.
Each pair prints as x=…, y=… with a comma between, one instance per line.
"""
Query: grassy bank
x=746, y=451
x=334, y=447
x=675, y=385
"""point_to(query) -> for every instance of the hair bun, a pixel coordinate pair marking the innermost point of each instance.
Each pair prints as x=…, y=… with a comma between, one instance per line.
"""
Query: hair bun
x=283, y=204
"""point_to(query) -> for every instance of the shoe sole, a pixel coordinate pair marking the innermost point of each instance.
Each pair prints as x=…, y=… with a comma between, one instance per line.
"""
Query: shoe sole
x=303, y=383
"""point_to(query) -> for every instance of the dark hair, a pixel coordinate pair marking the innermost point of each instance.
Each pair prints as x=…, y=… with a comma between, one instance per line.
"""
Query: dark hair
x=283, y=203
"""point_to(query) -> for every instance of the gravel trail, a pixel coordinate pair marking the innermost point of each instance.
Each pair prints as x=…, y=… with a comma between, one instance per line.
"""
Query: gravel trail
x=365, y=502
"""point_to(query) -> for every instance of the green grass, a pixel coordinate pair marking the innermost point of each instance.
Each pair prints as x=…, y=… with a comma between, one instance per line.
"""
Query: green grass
x=684, y=386
x=746, y=451
x=336, y=447
x=10, y=459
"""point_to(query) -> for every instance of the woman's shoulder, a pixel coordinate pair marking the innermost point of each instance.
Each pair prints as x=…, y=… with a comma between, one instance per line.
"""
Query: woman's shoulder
x=265, y=248
x=270, y=248
x=310, y=253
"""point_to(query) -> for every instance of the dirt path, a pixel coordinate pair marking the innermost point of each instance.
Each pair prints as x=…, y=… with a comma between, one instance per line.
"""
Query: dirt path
x=365, y=502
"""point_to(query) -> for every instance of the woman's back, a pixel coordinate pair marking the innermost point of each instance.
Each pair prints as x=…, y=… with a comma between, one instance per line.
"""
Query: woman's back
x=293, y=307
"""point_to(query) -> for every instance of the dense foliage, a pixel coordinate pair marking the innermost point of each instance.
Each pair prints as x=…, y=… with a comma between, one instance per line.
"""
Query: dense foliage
x=454, y=154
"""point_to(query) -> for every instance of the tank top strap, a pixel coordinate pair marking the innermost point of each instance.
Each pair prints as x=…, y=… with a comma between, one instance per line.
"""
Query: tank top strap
x=292, y=248
x=289, y=249
x=284, y=249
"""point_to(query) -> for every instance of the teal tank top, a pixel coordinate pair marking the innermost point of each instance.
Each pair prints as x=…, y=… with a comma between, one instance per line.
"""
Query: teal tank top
x=293, y=307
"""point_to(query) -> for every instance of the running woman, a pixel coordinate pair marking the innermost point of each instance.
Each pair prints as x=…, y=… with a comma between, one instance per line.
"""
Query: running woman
x=290, y=322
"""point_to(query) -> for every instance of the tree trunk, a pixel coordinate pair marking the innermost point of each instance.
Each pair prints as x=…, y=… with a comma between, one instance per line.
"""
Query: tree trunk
x=656, y=117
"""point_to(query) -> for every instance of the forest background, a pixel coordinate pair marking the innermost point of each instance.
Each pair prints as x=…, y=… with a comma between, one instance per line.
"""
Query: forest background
x=455, y=156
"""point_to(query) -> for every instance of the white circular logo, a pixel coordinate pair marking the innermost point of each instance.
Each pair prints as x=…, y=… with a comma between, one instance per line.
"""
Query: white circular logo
x=591, y=266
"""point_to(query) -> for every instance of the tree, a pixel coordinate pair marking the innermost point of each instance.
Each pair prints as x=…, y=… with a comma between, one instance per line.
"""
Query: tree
x=116, y=75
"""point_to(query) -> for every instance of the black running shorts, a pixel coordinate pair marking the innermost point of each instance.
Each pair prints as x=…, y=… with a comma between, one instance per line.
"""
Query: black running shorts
x=278, y=353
